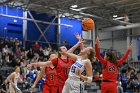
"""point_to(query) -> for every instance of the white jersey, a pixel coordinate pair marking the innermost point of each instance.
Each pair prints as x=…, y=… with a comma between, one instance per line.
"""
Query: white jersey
x=79, y=64
x=16, y=78
x=14, y=89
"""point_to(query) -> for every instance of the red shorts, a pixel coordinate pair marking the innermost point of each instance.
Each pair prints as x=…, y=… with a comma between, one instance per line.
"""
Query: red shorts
x=108, y=87
x=60, y=88
x=49, y=89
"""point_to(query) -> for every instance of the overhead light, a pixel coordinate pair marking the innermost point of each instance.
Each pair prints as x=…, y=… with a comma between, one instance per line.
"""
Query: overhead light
x=78, y=10
x=74, y=6
x=119, y=18
x=115, y=16
x=63, y=15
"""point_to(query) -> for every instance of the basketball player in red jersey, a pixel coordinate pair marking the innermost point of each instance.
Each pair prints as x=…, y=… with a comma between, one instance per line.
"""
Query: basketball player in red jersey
x=110, y=70
x=51, y=81
x=62, y=63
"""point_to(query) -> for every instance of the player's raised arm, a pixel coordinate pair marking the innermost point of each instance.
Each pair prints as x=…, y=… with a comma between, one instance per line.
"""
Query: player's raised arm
x=38, y=64
x=103, y=61
x=52, y=61
x=79, y=37
x=79, y=43
x=70, y=55
x=120, y=61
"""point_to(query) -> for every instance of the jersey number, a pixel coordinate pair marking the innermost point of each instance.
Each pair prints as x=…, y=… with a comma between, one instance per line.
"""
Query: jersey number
x=73, y=69
x=51, y=77
x=111, y=68
x=67, y=71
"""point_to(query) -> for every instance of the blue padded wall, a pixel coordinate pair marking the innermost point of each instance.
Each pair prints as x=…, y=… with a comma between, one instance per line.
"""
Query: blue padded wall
x=33, y=32
x=67, y=33
x=11, y=27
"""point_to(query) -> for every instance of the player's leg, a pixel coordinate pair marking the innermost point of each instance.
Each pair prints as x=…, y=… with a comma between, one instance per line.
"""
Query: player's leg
x=104, y=87
x=67, y=87
x=112, y=88
x=76, y=87
x=11, y=89
x=46, y=89
x=60, y=88
x=18, y=90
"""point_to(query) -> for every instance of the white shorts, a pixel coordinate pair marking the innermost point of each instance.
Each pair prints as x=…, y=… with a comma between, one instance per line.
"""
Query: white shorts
x=13, y=89
x=72, y=86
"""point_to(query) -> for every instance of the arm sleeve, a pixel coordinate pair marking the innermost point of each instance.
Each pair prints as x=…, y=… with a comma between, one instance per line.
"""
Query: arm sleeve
x=54, y=61
x=120, y=61
x=99, y=56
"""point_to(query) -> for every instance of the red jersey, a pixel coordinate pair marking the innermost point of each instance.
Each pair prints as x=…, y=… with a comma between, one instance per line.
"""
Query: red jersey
x=110, y=72
x=51, y=77
x=62, y=67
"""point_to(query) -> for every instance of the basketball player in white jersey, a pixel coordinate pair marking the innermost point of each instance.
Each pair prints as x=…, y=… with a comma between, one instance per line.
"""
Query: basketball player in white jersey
x=82, y=63
x=12, y=79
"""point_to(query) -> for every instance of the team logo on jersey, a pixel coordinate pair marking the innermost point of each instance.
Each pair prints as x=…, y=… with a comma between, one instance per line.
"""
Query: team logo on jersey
x=66, y=65
x=78, y=65
x=111, y=68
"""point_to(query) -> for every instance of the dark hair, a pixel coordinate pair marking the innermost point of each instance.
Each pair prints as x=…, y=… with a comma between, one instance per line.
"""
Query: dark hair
x=91, y=55
x=112, y=58
x=59, y=49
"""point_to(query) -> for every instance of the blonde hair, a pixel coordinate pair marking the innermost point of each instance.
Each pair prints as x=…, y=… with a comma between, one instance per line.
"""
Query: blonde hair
x=92, y=54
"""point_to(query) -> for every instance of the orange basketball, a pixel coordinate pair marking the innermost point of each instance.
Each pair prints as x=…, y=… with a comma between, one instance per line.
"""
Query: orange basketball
x=87, y=24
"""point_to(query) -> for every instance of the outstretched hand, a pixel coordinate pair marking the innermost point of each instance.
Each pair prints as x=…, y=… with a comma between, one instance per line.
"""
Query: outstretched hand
x=130, y=46
x=78, y=36
x=97, y=40
x=81, y=41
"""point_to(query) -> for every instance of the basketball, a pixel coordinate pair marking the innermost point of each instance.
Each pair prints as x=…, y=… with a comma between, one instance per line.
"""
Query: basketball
x=87, y=24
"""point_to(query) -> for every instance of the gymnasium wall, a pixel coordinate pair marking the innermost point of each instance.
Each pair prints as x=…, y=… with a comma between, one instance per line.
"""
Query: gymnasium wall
x=33, y=33
x=11, y=27
x=136, y=43
x=120, y=41
x=67, y=33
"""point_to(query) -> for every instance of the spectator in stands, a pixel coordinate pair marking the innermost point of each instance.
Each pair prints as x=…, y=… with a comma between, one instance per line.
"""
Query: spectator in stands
x=41, y=54
x=18, y=51
x=30, y=54
x=5, y=49
x=6, y=41
x=124, y=80
x=97, y=77
x=119, y=87
x=133, y=82
x=46, y=52
x=36, y=47
x=138, y=76
x=1, y=45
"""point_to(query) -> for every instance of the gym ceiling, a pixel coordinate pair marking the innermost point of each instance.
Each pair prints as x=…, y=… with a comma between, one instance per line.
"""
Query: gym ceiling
x=112, y=12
